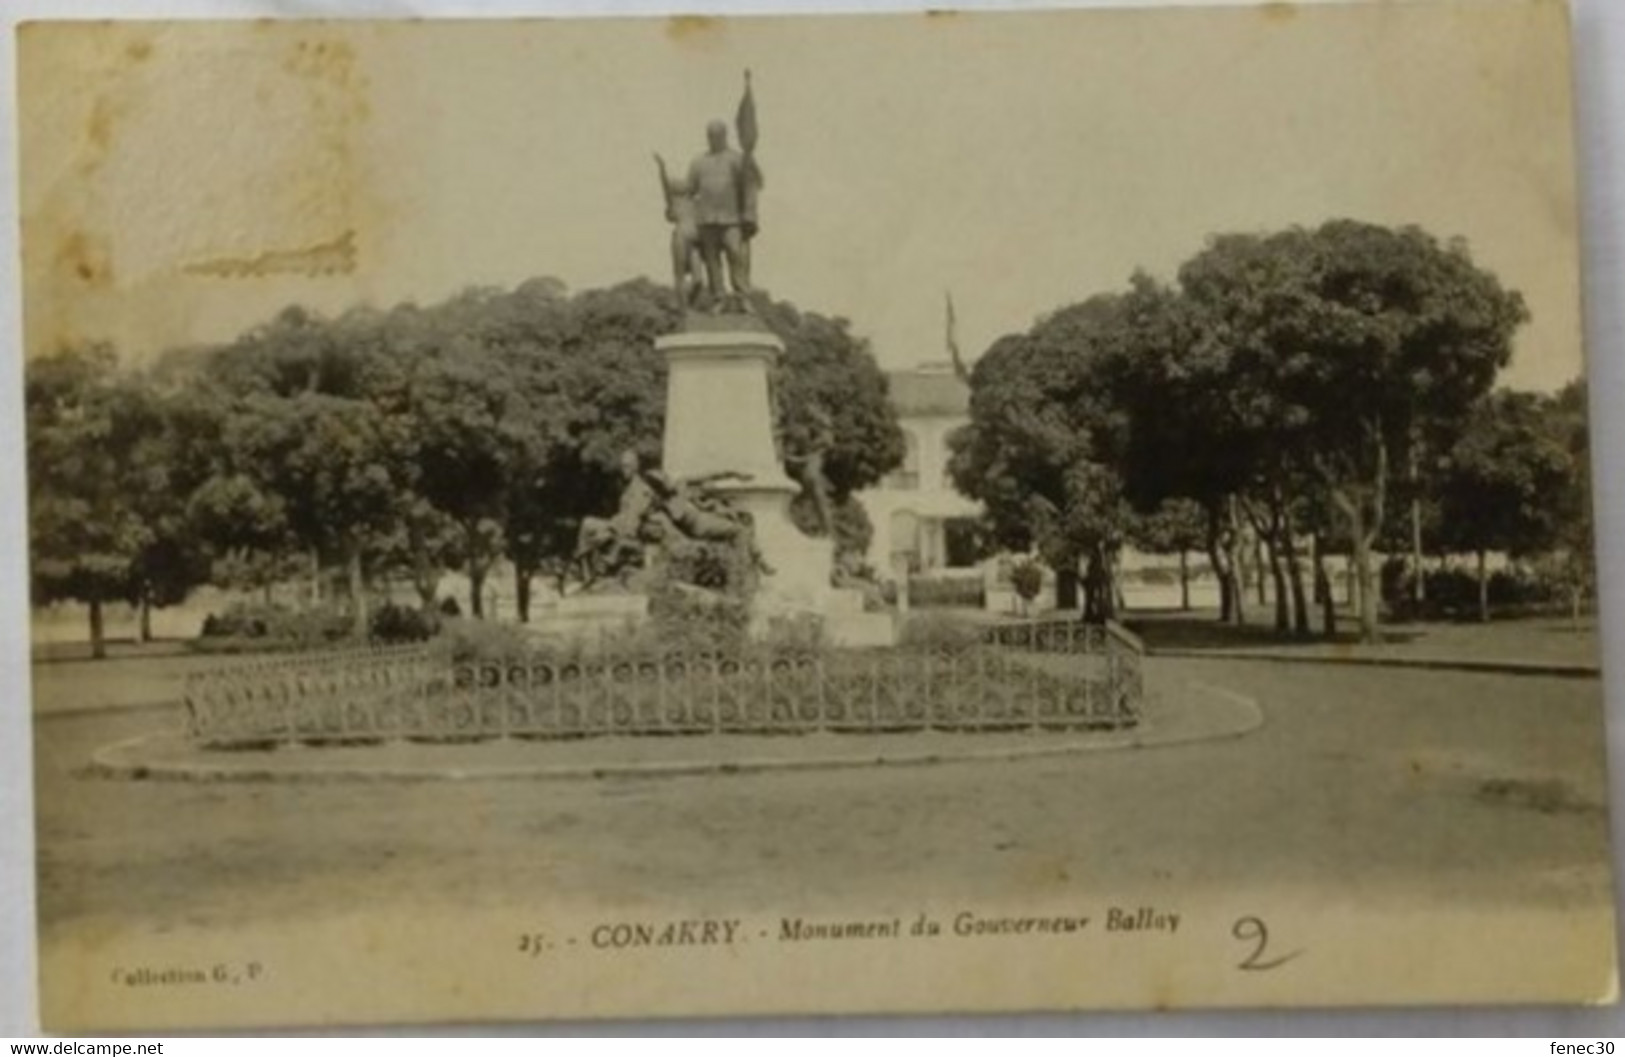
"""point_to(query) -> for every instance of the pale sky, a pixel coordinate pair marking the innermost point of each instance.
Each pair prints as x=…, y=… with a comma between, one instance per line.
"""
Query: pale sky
x=1023, y=161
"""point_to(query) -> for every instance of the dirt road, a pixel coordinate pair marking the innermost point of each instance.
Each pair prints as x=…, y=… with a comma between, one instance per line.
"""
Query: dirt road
x=1419, y=787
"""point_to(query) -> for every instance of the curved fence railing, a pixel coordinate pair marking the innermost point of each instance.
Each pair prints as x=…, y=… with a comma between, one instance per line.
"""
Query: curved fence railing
x=1037, y=675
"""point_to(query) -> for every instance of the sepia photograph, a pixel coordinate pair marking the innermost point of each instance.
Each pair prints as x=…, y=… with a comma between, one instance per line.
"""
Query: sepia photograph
x=941, y=512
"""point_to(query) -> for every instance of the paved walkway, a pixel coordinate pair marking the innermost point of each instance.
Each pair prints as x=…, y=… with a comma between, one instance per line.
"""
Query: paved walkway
x=1177, y=715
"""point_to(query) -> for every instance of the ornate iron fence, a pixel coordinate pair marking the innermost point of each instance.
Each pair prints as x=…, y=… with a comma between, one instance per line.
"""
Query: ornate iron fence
x=996, y=684
x=327, y=696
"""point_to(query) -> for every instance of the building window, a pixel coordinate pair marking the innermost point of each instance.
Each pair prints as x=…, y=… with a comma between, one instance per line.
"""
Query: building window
x=962, y=542
x=907, y=475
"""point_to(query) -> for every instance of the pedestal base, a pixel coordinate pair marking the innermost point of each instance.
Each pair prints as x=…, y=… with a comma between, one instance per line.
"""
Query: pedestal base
x=719, y=421
x=588, y=617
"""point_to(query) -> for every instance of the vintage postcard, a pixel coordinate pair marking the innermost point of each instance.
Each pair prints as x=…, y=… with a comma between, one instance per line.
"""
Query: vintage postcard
x=968, y=512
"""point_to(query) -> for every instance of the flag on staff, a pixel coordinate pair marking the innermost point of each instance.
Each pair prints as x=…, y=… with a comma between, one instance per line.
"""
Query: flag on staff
x=745, y=127
x=745, y=119
x=952, y=326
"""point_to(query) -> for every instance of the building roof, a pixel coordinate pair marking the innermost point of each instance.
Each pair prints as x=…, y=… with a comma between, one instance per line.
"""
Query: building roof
x=928, y=391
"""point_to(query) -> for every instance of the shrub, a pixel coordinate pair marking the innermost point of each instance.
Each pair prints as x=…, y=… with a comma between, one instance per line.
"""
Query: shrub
x=946, y=591
x=714, y=566
x=463, y=640
x=683, y=619
x=450, y=608
x=1027, y=579
x=802, y=632
x=939, y=632
x=391, y=623
x=1453, y=592
x=258, y=626
x=317, y=626
x=242, y=621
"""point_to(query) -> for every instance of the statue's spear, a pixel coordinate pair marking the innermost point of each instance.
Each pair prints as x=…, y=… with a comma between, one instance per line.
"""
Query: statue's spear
x=665, y=188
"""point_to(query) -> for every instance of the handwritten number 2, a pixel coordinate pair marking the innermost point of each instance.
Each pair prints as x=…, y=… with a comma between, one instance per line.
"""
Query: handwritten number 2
x=1253, y=930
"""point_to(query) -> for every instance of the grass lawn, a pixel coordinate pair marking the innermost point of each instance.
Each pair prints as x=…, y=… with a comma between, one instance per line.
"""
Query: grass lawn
x=133, y=677
x=1530, y=640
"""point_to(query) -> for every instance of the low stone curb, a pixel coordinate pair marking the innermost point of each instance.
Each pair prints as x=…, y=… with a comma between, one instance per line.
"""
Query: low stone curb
x=1562, y=671
x=1220, y=714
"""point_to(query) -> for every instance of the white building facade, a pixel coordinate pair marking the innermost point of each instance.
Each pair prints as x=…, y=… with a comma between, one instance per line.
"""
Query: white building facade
x=921, y=523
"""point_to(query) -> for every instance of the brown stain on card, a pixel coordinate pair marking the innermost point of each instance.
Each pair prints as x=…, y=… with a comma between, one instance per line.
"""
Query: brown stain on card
x=690, y=29
x=333, y=257
x=84, y=258
x=292, y=200
x=1278, y=12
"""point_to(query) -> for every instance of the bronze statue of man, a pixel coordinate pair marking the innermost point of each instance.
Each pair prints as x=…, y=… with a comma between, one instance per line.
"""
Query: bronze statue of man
x=713, y=210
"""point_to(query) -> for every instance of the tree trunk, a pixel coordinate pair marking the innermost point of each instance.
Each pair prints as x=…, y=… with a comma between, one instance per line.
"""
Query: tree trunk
x=521, y=591
x=476, y=591
x=1365, y=579
x=1097, y=589
x=1283, y=616
x=358, y=593
x=98, y=631
x=1184, y=581
x=1418, y=587
x=1323, y=589
x=1258, y=568
x=146, y=617
x=1363, y=504
x=1419, y=591
x=1234, y=548
x=1370, y=597
x=1066, y=587
x=1221, y=569
x=1483, y=588
x=425, y=579
x=1371, y=592
x=1294, y=571
x=1115, y=581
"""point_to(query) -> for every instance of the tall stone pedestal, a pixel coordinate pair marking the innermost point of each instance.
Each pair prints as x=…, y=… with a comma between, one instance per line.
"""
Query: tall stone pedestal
x=719, y=419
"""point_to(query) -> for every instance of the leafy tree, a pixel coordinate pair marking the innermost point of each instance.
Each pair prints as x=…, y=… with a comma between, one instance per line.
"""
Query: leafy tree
x=466, y=423
x=1361, y=335
x=1191, y=432
x=1507, y=482
x=457, y=434
x=89, y=432
x=337, y=467
x=832, y=395
x=1041, y=449
x=1574, y=550
x=1177, y=526
x=1027, y=579
x=174, y=560
x=228, y=515
x=596, y=393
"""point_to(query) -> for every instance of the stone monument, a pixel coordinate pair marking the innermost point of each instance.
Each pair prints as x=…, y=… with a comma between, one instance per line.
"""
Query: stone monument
x=719, y=410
